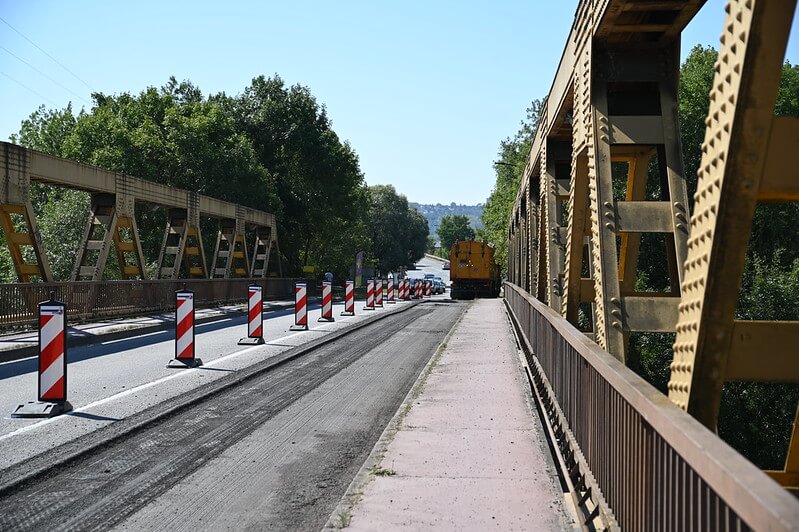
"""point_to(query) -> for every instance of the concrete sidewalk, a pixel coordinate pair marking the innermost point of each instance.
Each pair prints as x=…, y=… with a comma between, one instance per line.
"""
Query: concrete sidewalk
x=467, y=450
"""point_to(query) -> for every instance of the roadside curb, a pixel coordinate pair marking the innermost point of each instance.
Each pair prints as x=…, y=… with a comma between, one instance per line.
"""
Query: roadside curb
x=78, y=339
x=436, y=258
x=18, y=475
x=341, y=514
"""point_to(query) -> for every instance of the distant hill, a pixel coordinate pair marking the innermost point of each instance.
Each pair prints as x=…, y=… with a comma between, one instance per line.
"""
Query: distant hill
x=434, y=213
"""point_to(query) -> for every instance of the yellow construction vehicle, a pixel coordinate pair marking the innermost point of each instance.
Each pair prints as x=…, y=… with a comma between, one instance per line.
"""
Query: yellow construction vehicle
x=473, y=270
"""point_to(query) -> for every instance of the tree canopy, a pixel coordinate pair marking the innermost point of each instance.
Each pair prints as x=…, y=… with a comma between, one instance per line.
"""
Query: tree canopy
x=453, y=228
x=271, y=147
x=508, y=168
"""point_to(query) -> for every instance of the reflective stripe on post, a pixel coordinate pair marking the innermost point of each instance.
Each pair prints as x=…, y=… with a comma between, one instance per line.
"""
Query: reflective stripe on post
x=184, y=325
x=370, y=295
x=184, y=331
x=428, y=288
x=390, y=291
x=255, y=312
x=327, y=301
x=379, y=293
x=255, y=316
x=52, y=351
x=52, y=378
x=300, y=307
x=349, y=299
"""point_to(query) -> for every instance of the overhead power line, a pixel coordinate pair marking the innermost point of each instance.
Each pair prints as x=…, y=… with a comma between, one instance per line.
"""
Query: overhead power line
x=45, y=53
x=45, y=75
x=42, y=96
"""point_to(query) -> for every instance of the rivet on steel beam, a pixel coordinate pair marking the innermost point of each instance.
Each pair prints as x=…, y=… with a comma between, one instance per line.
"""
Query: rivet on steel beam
x=678, y=205
x=616, y=324
x=608, y=204
x=616, y=312
x=609, y=226
x=614, y=300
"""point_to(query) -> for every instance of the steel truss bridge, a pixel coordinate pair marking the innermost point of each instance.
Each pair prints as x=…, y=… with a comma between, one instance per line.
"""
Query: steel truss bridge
x=112, y=219
x=636, y=458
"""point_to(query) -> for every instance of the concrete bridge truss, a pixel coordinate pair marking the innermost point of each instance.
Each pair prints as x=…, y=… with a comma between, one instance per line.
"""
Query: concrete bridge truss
x=610, y=116
x=112, y=220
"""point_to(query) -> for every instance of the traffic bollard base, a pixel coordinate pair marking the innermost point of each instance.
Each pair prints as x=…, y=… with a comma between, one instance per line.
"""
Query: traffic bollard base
x=178, y=363
x=42, y=409
x=251, y=341
x=326, y=319
x=298, y=328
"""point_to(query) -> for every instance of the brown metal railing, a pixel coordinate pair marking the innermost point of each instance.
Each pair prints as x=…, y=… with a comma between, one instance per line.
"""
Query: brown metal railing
x=91, y=300
x=657, y=467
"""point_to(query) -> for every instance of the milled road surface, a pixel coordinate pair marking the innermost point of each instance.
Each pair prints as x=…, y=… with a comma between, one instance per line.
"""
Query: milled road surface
x=274, y=452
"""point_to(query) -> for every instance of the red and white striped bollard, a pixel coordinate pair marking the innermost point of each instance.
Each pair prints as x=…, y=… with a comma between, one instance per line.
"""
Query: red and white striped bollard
x=185, y=355
x=52, y=381
x=370, y=295
x=349, y=299
x=300, y=308
x=327, y=301
x=390, y=291
x=379, y=293
x=255, y=316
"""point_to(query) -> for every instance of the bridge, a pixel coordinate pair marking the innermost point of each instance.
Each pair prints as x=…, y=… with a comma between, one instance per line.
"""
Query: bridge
x=574, y=250
x=418, y=414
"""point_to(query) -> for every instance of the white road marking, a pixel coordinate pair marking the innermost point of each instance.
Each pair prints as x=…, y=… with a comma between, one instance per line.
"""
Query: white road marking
x=150, y=384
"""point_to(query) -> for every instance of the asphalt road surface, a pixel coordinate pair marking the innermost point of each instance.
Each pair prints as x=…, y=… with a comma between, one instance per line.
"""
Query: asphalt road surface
x=429, y=266
x=273, y=452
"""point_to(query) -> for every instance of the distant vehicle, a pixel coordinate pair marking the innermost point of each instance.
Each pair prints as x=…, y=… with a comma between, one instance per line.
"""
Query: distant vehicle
x=445, y=266
x=474, y=272
x=439, y=285
x=429, y=275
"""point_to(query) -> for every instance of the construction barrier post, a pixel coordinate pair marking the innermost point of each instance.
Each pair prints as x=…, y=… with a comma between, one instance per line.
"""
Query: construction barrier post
x=327, y=301
x=255, y=316
x=300, y=308
x=184, y=331
x=52, y=363
x=349, y=299
x=428, y=288
x=390, y=291
x=370, y=295
x=379, y=293
x=406, y=289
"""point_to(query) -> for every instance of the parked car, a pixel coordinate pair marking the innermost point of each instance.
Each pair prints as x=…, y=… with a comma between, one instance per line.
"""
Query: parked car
x=439, y=285
x=445, y=266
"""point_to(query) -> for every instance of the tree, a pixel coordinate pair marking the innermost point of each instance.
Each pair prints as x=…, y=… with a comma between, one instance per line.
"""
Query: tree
x=454, y=228
x=513, y=154
x=317, y=177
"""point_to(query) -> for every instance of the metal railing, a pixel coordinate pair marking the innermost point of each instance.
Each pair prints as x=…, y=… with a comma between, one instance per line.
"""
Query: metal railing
x=88, y=300
x=657, y=467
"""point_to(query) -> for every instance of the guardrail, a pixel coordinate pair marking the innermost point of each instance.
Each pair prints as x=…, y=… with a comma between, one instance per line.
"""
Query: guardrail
x=657, y=467
x=435, y=257
x=92, y=300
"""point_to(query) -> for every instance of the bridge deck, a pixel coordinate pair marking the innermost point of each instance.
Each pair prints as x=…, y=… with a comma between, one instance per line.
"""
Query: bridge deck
x=471, y=452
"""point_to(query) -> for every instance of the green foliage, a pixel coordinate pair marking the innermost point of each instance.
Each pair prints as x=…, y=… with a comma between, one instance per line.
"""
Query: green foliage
x=454, y=228
x=317, y=177
x=271, y=148
x=755, y=418
x=434, y=213
x=512, y=159
x=398, y=232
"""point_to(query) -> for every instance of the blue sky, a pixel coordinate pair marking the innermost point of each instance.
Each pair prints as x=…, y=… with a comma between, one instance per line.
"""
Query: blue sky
x=424, y=91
